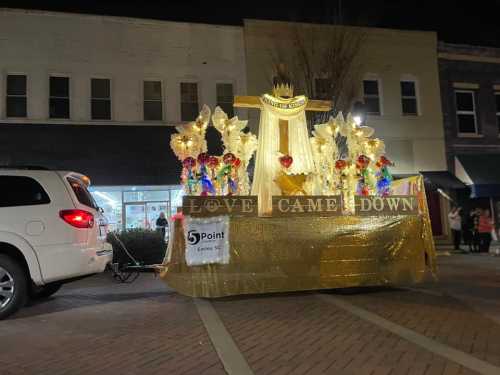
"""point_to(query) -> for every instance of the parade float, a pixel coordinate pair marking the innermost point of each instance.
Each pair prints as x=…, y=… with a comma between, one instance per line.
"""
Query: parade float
x=320, y=211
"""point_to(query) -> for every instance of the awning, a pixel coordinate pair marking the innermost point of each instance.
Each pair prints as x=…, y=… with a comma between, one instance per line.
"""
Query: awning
x=442, y=180
x=481, y=172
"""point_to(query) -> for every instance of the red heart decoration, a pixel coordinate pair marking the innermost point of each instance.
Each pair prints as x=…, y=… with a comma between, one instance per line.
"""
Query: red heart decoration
x=286, y=161
x=340, y=164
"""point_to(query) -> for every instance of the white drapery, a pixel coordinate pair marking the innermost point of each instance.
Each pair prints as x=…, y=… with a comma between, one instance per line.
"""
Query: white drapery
x=267, y=164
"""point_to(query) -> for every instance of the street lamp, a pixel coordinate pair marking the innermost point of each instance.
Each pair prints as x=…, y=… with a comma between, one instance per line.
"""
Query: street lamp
x=359, y=113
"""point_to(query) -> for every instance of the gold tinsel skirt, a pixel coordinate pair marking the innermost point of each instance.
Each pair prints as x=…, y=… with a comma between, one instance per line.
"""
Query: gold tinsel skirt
x=303, y=253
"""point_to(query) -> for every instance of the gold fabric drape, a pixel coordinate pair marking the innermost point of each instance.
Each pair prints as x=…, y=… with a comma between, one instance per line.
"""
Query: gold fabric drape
x=306, y=253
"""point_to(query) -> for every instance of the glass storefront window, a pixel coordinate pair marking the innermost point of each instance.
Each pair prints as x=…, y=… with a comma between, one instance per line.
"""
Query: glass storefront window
x=145, y=195
x=176, y=199
x=111, y=203
x=128, y=207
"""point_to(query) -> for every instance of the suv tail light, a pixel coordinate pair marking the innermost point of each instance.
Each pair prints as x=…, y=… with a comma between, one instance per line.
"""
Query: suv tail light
x=77, y=218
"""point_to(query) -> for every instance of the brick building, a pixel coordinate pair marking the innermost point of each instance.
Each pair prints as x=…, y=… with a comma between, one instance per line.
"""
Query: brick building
x=470, y=95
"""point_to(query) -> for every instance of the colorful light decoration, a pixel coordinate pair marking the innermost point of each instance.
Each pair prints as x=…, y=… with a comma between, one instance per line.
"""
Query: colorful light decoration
x=362, y=170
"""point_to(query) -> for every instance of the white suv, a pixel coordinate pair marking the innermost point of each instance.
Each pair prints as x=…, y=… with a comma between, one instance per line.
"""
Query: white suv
x=51, y=232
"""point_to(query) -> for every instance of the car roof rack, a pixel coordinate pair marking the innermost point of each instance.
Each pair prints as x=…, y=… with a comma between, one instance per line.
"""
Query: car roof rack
x=25, y=167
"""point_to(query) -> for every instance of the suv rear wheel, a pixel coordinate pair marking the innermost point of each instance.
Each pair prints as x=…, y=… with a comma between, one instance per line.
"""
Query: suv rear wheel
x=13, y=286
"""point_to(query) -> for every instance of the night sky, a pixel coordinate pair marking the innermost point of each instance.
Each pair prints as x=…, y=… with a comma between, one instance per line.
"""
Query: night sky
x=468, y=22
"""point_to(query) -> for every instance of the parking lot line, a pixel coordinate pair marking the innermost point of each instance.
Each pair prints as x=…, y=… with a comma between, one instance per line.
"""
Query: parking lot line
x=433, y=346
x=233, y=360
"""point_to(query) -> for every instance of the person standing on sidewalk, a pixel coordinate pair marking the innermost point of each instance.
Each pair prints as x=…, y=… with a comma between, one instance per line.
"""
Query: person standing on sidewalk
x=468, y=229
x=485, y=228
x=455, y=221
x=161, y=225
x=475, y=233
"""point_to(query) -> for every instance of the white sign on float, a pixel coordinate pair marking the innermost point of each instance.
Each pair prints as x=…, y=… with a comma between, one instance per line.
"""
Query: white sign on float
x=207, y=240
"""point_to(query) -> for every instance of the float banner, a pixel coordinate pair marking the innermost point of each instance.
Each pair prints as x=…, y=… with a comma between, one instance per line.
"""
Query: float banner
x=304, y=205
x=393, y=205
x=213, y=206
x=207, y=240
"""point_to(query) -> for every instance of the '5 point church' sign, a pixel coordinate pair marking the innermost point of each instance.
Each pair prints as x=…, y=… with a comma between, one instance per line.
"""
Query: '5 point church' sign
x=207, y=240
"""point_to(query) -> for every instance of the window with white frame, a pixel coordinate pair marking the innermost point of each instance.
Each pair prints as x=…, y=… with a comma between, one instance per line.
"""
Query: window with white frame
x=59, y=97
x=189, y=101
x=153, y=106
x=371, y=96
x=16, y=100
x=225, y=98
x=409, y=103
x=466, y=111
x=100, y=92
x=497, y=104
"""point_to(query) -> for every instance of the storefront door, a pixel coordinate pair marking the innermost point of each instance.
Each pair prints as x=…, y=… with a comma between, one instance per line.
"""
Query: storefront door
x=135, y=215
x=144, y=214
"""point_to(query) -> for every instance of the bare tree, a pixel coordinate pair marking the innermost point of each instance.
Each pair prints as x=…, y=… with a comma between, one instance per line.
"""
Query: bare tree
x=324, y=62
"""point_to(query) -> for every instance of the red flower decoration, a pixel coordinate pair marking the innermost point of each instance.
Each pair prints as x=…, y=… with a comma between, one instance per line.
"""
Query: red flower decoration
x=213, y=162
x=363, y=161
x=340, y=164
x=237, y=162
x=286, y=161
x=203, y=158
x=178, y=216
x=384, y=161
x=229, y=158
x=189, y=162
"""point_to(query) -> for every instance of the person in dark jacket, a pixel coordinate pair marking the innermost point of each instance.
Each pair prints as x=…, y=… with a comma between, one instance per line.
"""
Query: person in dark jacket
x=468, y=229
x=161, y=224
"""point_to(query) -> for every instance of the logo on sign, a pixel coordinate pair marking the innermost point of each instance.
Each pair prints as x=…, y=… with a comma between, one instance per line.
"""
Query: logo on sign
x=194, y=237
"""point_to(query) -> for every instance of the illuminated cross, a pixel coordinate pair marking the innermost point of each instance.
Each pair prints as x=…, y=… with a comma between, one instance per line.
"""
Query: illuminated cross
x=255, y=102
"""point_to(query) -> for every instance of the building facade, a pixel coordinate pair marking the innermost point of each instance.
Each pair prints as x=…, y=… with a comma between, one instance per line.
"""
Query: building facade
x=470, y=91
x=102, y=95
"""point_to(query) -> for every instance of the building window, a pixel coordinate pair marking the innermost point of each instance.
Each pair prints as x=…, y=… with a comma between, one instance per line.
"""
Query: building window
x=225, y=98
x=323, y=88
x=466, y=111
x=16, y=95
x=59, y=97
x=371, y=96
x=409, y=104
x=100, y=99
x=497, y=103
x=153, y=107
x=189, y=101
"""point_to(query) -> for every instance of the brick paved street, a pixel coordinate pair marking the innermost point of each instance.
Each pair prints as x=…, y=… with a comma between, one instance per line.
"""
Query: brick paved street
x=97, y=326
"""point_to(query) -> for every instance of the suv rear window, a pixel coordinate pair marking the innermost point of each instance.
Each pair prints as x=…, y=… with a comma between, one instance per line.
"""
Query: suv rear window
x=81, y=192
x=21, y=191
